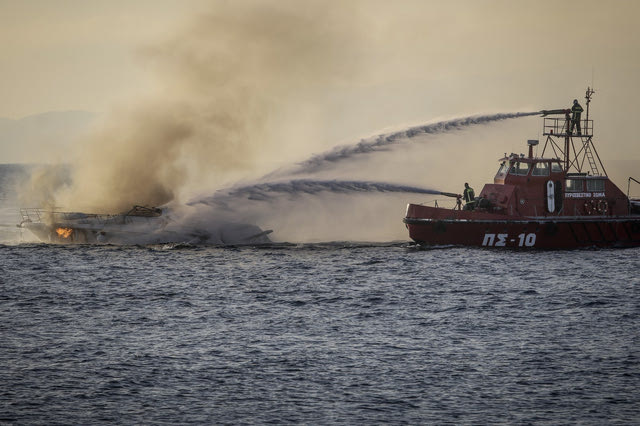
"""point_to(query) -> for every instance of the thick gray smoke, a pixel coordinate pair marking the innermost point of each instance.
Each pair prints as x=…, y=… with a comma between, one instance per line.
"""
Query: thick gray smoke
x=229, y=85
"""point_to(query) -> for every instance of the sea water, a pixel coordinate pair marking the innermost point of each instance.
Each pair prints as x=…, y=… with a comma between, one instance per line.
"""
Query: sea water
x=338, y=333
x=335, y=333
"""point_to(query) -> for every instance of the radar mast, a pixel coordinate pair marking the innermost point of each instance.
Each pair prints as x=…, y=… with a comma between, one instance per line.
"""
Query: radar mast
x=578, y=152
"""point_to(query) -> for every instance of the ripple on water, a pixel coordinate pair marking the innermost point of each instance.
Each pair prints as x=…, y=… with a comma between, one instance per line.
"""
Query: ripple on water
x=330, y=333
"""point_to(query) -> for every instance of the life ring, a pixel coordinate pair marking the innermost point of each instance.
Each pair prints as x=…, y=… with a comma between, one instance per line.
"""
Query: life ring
x=589, y=207
x=603, y=207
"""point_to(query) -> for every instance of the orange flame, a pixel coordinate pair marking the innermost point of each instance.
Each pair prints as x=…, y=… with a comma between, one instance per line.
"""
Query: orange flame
x=64, y=232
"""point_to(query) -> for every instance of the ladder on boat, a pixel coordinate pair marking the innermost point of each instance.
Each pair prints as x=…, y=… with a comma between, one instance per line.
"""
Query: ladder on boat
x=592, y=162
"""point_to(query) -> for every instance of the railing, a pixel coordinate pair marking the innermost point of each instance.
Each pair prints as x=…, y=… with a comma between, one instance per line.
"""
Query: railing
x=137, y=213
x=556, y=126
x=32, y=215
x=36, y=215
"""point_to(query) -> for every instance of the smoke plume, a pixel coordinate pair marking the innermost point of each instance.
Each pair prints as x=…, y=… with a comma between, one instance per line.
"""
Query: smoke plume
x=226, y=84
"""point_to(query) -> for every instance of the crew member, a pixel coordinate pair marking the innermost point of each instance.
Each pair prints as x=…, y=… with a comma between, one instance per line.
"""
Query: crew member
x=576, y=111
x=469, y=197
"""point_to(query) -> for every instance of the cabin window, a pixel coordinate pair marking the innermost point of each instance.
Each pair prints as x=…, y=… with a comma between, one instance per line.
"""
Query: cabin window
x=540, y=169
x=523, y=169
x=520, y=169
x=574, y=185
x=504, y=168
x=556, y=168
x=596, y=185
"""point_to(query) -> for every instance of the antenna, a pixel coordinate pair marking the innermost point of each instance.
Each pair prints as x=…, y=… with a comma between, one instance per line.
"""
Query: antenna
x=587, y=96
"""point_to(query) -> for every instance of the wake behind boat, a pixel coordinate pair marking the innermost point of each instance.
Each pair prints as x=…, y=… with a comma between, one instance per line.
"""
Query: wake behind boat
x=561, y=201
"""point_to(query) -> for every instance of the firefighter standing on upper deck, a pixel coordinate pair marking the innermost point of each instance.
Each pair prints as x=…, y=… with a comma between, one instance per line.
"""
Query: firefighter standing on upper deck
x=576, y=111
x=469, y=197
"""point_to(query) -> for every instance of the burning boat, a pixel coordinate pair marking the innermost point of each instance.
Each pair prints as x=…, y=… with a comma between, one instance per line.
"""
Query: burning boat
x=140, y=225
x=561, y=201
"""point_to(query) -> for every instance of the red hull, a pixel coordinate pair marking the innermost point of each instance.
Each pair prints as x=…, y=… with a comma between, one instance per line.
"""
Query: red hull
x=562, y=202
x=439, y=226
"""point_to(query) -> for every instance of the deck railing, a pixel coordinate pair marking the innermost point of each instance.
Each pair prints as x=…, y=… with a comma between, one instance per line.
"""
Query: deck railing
x=557, y=126
x=37, y=215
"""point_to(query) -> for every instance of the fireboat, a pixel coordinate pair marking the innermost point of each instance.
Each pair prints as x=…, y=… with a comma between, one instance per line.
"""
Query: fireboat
x=562, y=201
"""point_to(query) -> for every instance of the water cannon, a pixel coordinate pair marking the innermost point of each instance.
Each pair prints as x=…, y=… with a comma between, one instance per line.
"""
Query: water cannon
x=546, y=112
x=451, y=194
x=458, y=198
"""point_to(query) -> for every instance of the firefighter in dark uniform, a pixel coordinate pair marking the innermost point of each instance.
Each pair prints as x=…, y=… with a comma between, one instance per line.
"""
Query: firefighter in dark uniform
x=469, y=197
x=576, y=111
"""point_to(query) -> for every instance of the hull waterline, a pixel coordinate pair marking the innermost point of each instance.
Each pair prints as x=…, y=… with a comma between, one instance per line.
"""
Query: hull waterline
x=527, y=234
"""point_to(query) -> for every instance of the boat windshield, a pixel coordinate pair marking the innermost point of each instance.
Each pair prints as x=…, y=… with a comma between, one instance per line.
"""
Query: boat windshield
x=540, y=169
x=520, y=169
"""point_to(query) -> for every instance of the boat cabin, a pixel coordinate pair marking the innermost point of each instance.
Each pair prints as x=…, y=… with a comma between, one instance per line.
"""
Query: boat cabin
x=531, y=186
x=572, y=183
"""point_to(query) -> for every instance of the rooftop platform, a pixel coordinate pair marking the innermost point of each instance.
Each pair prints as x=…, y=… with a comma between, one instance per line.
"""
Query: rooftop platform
x=561, y=127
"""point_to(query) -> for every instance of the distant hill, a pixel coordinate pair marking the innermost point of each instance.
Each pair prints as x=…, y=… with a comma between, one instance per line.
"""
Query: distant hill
x=42, y=138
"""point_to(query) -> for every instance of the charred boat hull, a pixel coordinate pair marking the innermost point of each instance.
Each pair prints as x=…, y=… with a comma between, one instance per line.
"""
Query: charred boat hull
x=139, y=226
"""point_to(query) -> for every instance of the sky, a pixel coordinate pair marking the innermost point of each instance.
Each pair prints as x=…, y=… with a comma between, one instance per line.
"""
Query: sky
x=79, y=55
x=72, y=55
x=275, y=81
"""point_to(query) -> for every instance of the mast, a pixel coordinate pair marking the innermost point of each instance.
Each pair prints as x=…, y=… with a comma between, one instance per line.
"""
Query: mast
x=567, y=138
x=584, y=158
x=587, y=96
